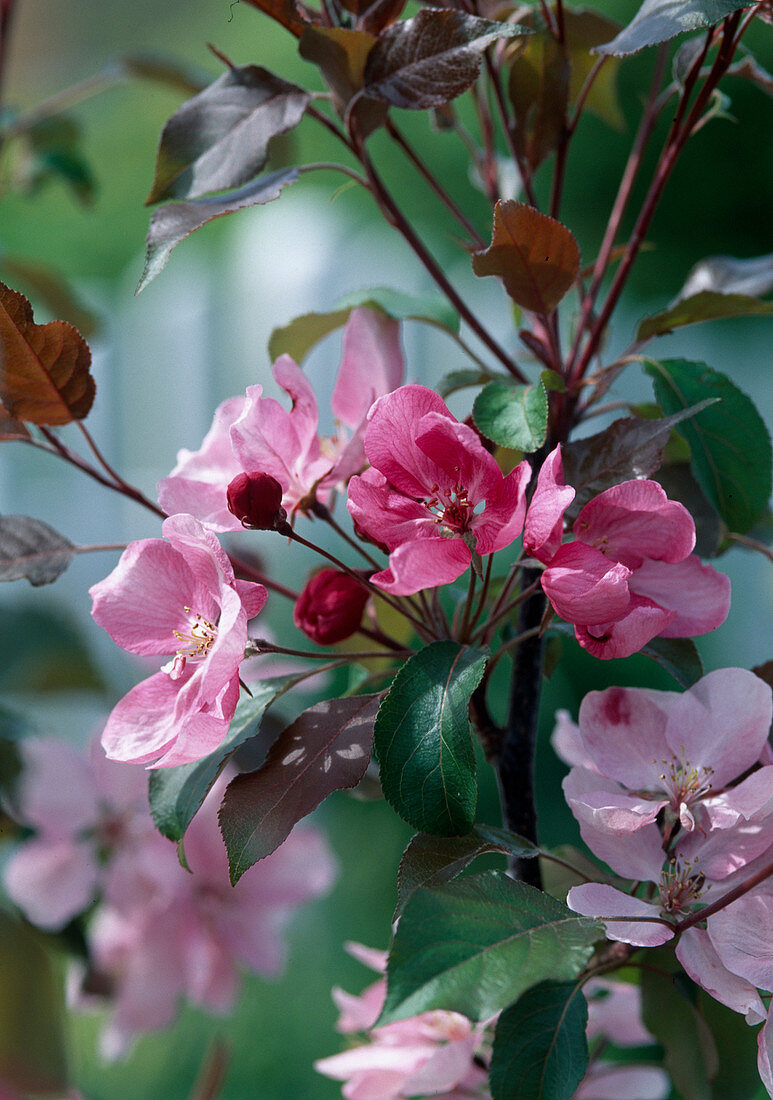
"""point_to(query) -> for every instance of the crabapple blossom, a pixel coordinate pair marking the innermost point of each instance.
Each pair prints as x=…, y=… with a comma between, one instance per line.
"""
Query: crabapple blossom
x=432, y=1053
x=629, y=574
x=164, y=933
x=177, y=597
x=82, y=809
x=433, y=494
x=255, y=433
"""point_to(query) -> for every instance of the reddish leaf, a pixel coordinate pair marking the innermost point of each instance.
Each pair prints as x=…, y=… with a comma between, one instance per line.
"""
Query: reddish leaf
x=293, y=16
x=539, y=92
x=536, y=257
x=340, y=56
x=425, y=61
x=30, y=548
x=10, y=428
x=173, y=223
x=44, y=369
x=584, y=29
x=374, y=17
x=219, y=139
x=327, y=748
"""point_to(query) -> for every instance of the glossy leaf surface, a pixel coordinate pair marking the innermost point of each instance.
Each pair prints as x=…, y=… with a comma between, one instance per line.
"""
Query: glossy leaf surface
x=513, y=416
x=660, y=20
x=476, y=945
x=423, y=739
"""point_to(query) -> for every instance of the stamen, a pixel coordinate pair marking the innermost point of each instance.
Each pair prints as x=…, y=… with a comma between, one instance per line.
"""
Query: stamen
x=197, y=643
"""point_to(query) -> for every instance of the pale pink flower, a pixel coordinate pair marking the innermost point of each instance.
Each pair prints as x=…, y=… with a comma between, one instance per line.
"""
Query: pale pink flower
x=176, y=598
x=255, y=434
x=433, y=494
x=614, y=1015
x=430, y=1054
x=81, y=810
x=629, y=574
x=166, y=934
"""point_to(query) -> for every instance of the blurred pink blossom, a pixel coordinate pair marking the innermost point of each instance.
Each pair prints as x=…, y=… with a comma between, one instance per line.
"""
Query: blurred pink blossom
x=164, y=933
x=629, y=574
x=176, y=595
x=433, y=494
x=430, y=1054
x=256, y=434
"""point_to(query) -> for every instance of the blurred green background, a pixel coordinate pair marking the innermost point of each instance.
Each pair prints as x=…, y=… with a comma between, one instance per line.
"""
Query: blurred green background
x=198, y=334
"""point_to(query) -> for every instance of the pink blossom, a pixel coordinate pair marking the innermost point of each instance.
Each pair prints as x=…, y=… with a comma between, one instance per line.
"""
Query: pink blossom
x=429, y=1054
x=255, y=434
x=81, y=809
x=176, y=598
x=629, y=574
x=614, y=1014
x=433, y=493
x=165, y=933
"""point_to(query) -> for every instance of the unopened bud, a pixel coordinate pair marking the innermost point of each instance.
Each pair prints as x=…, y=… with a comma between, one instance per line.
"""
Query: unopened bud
x=256, y=501
x=330, y=607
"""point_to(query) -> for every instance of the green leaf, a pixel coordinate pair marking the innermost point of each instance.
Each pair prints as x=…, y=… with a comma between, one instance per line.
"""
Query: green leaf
x=707, y=305
x=432, y=860
x=427, y=60
x=33, y=1052
x=219, y=139
x=691, y=1056
x=678, y=656
x=476, y=945
x=461, y=380
x=660, y=20
x=297, y=338
x=423, y=740
x=540, y=1051
x=173, y=223
x=513, y=416
x=176, y=794
x=729, y=443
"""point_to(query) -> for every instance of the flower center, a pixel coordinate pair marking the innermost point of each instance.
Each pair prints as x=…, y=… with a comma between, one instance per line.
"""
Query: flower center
x=680, y=886
x=683, y=783
x=450, y=508
x=196, y=643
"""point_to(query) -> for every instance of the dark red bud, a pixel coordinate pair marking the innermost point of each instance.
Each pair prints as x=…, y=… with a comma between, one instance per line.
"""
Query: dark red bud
x=330, y=607
x=256, y=501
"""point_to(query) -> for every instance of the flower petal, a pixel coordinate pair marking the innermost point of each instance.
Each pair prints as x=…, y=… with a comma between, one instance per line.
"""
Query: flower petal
x=634, y=521
x=594, y=899
x=390, y=439
x=698, y=595
x=501, y=521
x=584, y=586
x=623, y=730
x=425, y=563
x=371, y=365
x=643, y=621
x=699, y=957
x=544, y=527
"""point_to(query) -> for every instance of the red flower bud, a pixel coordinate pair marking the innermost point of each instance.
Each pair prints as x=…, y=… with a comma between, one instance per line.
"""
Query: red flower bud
x=256, y=501
x=330, y=607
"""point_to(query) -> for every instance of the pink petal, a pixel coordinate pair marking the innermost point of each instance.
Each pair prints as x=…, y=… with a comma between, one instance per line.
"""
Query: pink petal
x=584, y=586
x=765, y=1056
x=198, y=483
x=594, y=899
x=444, y=1068
x=52, y=881
x=742, y=936
x=141, y=602
x=459, y=453
x=544, y=528
x=387, y=516
x=698, y=956
x=610, y=1081
x=203, y=553
x=371, y=365
x=697, y=594
x=426, y=563
x=253, y=597
x=390, y=439
x=616, y=1012
x=567, y=742
x=359, y=1013
x=625, y=636
x=501, y=521
x=636, y=520
x=722, y=722
x=368, y=956
x=142, y=725
x=623, y=730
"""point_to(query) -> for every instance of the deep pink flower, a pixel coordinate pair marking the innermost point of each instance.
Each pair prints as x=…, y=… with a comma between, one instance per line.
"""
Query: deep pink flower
x=165, y=933
x=176, y=598
x=429, y=1054
x=433, y=493
x=629, y=574
x=255, y=433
